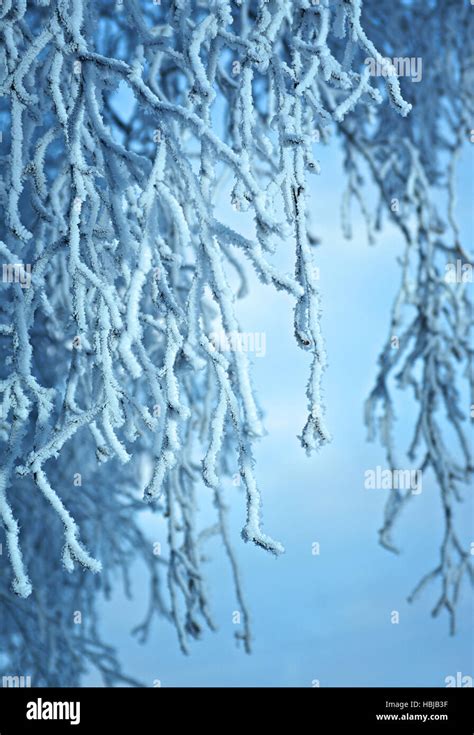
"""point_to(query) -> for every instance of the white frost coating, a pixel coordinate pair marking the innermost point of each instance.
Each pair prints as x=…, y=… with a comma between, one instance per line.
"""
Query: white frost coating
x=73, y=549
x=133, y=268
x=21, y=583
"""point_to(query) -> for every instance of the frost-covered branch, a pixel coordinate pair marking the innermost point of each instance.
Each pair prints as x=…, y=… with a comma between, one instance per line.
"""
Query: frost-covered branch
x=429, y=347
x=122, y=120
